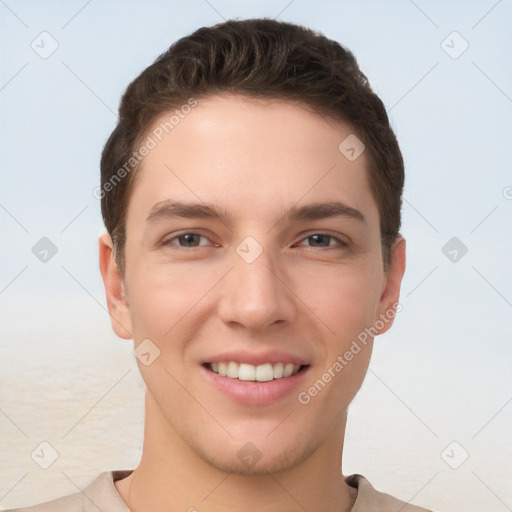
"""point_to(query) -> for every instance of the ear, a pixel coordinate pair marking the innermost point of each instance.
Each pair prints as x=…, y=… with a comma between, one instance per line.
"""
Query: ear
x=391, y=292
x=117, y=302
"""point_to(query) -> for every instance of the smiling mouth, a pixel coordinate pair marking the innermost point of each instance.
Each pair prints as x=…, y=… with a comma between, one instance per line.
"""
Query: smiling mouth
x=248, y=372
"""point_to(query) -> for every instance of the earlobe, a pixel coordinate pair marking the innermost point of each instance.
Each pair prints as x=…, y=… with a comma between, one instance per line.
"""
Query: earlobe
x=117, y=302
x=391, y=294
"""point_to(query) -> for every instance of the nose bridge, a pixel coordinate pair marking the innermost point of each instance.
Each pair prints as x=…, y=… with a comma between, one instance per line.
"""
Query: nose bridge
x=254, y=294
x=258, y=277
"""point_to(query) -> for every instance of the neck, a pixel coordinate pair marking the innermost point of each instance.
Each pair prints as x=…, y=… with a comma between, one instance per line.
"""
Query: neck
x=171, y=476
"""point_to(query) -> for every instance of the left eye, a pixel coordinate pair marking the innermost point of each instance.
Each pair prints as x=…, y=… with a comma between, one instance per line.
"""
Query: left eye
x=322, y=238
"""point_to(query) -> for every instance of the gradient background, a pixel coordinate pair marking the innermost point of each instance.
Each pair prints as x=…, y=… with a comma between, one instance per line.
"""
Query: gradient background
x=443, y=372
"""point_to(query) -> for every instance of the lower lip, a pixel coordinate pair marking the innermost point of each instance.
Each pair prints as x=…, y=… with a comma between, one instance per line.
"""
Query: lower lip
x=255, y=393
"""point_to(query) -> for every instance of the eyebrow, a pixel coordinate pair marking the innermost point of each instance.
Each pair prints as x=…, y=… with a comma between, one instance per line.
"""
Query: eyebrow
x=314, y=211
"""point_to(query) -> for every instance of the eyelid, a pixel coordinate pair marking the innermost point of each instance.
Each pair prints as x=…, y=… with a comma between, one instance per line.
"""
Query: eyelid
x=168, y=240
x=337, y=237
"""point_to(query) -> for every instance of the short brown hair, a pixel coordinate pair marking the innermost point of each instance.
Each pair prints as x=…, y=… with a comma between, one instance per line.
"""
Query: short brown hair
x=257, y=58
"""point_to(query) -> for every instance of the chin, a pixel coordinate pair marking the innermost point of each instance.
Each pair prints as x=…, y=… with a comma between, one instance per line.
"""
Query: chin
x=249, y=460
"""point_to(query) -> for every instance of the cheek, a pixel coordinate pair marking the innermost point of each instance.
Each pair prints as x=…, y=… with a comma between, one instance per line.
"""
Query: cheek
x=161, y=304
x=160, y=297
x=343, y=298
x=346, y=308
x=169, y=306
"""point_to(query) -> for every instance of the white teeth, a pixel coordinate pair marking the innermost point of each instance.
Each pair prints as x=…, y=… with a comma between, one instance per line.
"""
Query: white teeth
x=264, y=372
x=261, y=373
x=278, y=370
x=288, y=369
x=246, y=372
x=232, y=370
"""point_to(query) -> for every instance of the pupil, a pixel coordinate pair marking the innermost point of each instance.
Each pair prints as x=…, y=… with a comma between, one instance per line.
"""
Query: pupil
x=189, y=238
x=317, y=237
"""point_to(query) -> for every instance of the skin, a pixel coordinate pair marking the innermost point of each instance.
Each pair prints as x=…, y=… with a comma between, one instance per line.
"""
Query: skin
x=195, y=298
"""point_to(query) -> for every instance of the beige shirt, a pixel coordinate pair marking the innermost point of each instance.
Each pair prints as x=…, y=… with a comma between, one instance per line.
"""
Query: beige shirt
x=101, y=496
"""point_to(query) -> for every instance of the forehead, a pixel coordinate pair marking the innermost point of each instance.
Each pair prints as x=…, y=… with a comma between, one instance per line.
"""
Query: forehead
x=248, y=154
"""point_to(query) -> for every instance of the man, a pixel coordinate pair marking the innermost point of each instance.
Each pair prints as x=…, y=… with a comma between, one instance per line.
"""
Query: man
x=251, y=193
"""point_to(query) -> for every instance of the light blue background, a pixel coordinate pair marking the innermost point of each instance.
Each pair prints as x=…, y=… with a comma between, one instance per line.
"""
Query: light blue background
x=442, y=374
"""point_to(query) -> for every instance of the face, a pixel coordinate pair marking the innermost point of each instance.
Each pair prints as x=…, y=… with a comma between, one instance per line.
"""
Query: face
x=253, y=250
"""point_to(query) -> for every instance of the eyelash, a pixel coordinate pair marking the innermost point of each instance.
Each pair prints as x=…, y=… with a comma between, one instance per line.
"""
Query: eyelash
x=167, y=242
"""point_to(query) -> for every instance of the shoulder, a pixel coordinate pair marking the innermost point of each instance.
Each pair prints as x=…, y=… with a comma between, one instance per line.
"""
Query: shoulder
x=70, y=503
x=370, y=499
x=100, y=493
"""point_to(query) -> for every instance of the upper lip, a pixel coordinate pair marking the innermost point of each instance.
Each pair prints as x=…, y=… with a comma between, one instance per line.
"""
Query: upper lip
x=272, y=356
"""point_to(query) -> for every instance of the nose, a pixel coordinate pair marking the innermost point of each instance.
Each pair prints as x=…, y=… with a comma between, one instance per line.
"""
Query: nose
x=257, y=294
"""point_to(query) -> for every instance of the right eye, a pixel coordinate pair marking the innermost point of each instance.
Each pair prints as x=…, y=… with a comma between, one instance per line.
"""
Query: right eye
x=186, y=240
